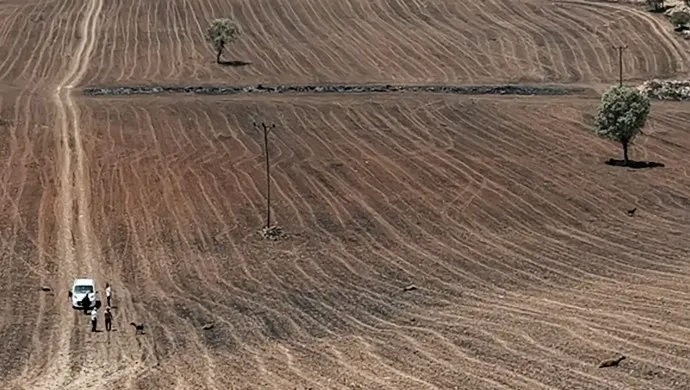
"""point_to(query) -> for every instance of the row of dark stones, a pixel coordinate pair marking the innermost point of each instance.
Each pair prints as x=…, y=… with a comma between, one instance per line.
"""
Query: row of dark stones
x=678, y=90
x=341, y=88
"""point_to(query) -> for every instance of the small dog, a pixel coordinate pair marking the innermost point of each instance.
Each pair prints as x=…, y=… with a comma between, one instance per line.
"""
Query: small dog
x=611, y=362
x=139, y=328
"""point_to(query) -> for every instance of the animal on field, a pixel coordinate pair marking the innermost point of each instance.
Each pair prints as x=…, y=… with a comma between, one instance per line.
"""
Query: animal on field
x=138, y=328
x=631, y=212
x=611, y=362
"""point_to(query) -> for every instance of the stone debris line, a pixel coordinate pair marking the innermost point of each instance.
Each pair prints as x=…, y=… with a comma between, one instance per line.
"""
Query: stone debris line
x=337, y=88
x=676, y=90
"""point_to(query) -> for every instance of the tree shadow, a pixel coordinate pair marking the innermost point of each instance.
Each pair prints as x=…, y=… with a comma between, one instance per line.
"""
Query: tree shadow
x=634, y=164
x=235, y=63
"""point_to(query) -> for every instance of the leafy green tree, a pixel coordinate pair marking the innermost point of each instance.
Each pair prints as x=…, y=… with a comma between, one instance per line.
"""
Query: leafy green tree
x=622, y=114
x=221, y=33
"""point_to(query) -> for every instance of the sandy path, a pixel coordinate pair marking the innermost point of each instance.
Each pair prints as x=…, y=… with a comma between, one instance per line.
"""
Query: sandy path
x=74, y=228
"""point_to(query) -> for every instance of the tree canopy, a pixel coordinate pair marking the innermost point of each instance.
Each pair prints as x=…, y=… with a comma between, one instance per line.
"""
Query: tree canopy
x=622, y=114
x=220, y=33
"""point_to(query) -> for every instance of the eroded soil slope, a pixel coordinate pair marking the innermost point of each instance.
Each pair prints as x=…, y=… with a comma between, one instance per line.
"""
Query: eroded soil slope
x=386, y=41
x=27, y=232
x=500, y=211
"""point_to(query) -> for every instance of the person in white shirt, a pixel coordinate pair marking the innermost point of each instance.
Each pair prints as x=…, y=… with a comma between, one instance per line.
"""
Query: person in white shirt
x=108, y=293
x=94, y=319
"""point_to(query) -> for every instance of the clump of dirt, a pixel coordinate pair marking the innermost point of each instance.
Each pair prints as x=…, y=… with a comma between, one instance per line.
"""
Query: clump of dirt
x=273, y=233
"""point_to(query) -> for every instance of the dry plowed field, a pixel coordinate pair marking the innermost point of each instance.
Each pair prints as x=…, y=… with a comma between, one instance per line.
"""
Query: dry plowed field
x=393, y=41
x=432, y=241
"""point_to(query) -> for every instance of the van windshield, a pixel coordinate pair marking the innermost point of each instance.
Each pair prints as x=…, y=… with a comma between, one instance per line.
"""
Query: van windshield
x=83, y=289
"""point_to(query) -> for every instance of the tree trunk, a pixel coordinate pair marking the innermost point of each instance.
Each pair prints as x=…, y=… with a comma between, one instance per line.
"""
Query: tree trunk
x=218, y=54
x=625, y=153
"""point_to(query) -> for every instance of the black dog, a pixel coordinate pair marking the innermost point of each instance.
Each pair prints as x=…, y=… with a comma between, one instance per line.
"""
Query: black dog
x=139, y=328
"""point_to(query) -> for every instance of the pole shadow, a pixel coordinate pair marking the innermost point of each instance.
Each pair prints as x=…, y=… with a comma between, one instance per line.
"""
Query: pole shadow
x=235, y=63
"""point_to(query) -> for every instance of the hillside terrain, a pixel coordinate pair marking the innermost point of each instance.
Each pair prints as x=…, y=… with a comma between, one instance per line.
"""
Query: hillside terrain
x=432, y=241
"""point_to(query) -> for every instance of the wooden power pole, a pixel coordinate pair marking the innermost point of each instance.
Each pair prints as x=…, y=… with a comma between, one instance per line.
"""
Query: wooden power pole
x=620, y=49
x=266, y=129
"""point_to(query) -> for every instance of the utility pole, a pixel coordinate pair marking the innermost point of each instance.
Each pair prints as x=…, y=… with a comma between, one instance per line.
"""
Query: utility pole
x=266, y=129
x=620, y=49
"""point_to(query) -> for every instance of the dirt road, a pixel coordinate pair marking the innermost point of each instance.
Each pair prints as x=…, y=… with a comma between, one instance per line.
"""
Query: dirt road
x=77, y=362
x=498, y=210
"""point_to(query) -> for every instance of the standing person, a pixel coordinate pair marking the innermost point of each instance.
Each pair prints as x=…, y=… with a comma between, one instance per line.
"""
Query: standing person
x=86, y=303
x=94, y=319
x=108, y=293
x=108, y=319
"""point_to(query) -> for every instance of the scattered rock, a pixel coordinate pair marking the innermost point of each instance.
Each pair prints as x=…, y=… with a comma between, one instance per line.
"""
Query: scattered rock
x=338, y=88
x=678, y=8
x=207, y=326
x=46, y=288
x=677, y=90
x=273, y=233
x=411, y=287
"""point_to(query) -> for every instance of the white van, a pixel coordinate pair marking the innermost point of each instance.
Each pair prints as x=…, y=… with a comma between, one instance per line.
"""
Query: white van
x=81, y=288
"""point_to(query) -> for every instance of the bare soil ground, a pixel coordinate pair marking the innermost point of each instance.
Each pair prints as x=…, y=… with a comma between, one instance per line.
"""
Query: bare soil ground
x=500, y=211
x=395, y=41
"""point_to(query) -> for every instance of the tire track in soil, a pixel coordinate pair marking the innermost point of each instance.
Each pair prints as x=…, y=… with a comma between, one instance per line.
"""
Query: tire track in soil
x=509, y=297
x=357, y=40
x=76, y=248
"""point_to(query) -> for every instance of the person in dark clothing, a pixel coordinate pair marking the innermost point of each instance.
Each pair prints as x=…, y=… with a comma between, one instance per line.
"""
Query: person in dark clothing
x=108, y=319
x=86, y=304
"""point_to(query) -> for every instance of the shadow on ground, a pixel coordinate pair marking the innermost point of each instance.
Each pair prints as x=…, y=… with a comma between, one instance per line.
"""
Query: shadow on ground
x=235, y=63
x=634, y=164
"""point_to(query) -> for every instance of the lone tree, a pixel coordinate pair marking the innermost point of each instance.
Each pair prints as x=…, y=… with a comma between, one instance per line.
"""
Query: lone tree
x=622, y=114
x=220, y=33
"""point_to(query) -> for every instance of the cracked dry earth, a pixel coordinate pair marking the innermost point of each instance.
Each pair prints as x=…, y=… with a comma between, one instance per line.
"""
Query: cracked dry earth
x=499, y=210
